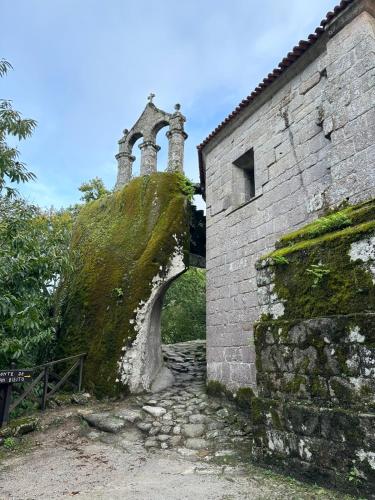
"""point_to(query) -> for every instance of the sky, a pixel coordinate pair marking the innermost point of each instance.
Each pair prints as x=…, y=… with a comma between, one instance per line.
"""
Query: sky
x=84, y=68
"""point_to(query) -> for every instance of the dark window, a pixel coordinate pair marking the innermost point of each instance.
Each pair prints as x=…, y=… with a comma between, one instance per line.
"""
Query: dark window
x=244, y=176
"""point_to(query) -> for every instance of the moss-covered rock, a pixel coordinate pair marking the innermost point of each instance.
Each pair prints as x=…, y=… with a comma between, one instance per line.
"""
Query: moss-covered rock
x=20, y=426
x=317, y=274
x=120, y=244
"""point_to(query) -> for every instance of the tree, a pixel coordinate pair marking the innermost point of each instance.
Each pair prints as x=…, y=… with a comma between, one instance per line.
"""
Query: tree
x=33, y=255
x=93, y=189
x=11, y=124
x=184, y=310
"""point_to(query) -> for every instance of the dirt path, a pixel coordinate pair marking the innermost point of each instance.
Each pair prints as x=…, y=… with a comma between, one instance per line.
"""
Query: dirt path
x=177, y=444
x=63, y=462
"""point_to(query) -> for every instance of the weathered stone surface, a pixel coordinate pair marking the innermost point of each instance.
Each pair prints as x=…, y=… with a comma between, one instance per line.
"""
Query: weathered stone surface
x=197, y=419
x=162, y=380
x=144, y=426
x=105, y=422
x=147, y=126
x=155, y=411
x=193, y=430
x=316, y=382
x=130, y=415
x=152, y=443
x=196, y=443
x=209, y=433
x=19, y=426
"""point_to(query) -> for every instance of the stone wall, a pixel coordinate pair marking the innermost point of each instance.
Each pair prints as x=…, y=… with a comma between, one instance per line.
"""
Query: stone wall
x=313, y=135
x=315, y=354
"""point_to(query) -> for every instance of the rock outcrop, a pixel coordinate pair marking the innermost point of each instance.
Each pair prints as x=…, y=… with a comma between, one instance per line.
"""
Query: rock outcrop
x=126, y=248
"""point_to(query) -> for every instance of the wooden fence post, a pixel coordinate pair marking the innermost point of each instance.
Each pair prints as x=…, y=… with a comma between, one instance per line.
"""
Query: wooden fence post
x=80, y=374
x=45, y=388
x=5, y=398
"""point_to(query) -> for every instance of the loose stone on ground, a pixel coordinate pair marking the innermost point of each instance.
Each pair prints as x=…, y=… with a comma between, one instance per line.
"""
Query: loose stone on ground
x=182, y=416
x=188, y=446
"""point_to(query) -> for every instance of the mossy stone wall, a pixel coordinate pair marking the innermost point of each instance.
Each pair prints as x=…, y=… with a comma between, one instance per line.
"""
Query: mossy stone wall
x=315, y=350
x=120, y=243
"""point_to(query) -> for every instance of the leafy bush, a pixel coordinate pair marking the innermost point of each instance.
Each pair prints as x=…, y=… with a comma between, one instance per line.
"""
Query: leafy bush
x=93, y=190
x=10, y=443
x=33, y=254
x=184, y=310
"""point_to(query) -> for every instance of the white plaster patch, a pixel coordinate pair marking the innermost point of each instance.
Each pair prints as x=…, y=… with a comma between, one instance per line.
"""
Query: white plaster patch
x=367, y=455
x=369, y=372
x=275, y=442
x=303, y=450
x=356, y=382
x=353, y=362
x=133, y=366
x=315, y=203
x=355, y=336
x=277, y=310
x=364, y=250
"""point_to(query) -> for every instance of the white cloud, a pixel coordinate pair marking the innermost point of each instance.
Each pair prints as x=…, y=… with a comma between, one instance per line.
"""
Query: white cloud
x=83, y=70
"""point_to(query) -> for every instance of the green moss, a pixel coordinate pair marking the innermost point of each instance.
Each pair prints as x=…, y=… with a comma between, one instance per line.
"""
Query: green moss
x=349, y=233
x=185, y=185
x=342, y=391
x=276, y=420
x=320, y=278
x=119, y=243
x=244, y=397
x=215, y=388
x=349, y=216
x=294, y=386
x=318, y=388
x=19, y=426
x=257, y=411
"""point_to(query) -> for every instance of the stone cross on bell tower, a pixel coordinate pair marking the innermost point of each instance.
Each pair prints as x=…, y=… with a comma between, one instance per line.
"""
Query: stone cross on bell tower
x=151, y=121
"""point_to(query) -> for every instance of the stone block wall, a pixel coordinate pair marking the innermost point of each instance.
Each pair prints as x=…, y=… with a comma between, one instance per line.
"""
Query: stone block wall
x=315, y=351
x=313, y=136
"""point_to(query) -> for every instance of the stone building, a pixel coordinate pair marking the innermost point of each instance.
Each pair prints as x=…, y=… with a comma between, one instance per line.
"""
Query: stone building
x=301, y=142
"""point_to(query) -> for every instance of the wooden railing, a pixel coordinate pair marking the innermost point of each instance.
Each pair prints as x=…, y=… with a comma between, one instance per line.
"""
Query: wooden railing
x=52, y=382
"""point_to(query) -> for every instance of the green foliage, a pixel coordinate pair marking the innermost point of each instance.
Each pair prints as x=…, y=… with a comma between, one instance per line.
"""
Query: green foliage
x=216, y=389
x=121, y=241
x=280, y=259
x=186, y=186
x=93, y=190
x=12, y=124
x=119, y=293
x=184, y=310
x=355, y=476
x=328, y=224
x=10, y=443
x=33, y=254
x=323, y=227
x=318, y=271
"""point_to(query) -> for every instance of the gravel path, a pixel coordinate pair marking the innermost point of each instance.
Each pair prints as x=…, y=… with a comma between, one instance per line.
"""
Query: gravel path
x=176, y=444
